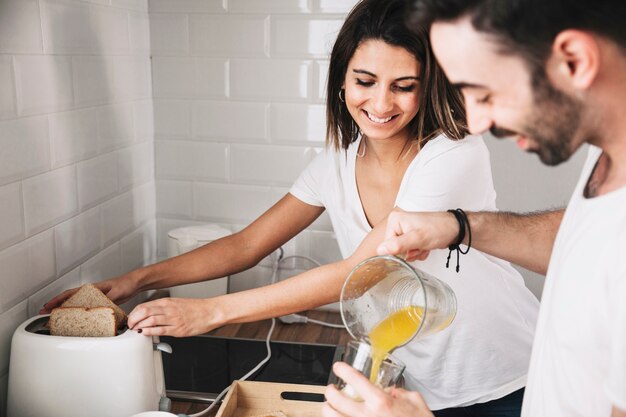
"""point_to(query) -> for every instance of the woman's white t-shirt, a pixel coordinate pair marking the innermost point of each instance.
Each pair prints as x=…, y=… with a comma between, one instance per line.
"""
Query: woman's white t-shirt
x=484, y=353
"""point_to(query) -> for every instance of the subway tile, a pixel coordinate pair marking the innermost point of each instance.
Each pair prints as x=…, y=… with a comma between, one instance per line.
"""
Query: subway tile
x=191, y=160
x=139, y=26
x=8, y=105
x=172, y=118
x=25, y=148
x=97, y=180
x=77, y=239
x=143, y=113
x=132, y=80
x=106, y=264
x=11, y=218
x=336, y=6
x=236, y=120
x=115, y=126
x=93, y=79
x=139, y=247
x=269, y=78
x=269, y=6
x=299, y=35
x=324, y=247
x=38, y=299
x=66, y=27
x=135, y=165
x=137, y=5
x=322, y=78
x=267, y=165
x=9, y=321
x=117, y=217
x=49, y=199
x=174, y=199
x=144, y=203
x=44, y=83
x=229, y=203
x=186, y=6
x=127, y=211
x=73, y=135
x=238, y=35
x=189, y=77
x=26, y=267
x=110, y=28
x=20, y=27
x=298, y=122
x=169, y=34
x=255, y=277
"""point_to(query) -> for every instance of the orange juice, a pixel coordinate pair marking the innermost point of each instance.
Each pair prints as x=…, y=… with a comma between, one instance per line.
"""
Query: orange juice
x=393, y=331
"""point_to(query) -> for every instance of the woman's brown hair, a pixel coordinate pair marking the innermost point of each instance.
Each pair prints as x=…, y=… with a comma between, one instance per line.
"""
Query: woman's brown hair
x=441, y=105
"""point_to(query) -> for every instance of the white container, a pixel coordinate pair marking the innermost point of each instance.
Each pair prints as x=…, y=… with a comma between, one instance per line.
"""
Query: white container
x=56, y=376
x=185, y=239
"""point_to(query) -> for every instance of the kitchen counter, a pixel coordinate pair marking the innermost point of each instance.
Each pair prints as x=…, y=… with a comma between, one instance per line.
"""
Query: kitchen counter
x=297, y=332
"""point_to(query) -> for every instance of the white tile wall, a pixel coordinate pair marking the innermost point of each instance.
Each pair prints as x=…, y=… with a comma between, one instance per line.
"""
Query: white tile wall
x=77, y=136
x=25, y=148
x=61, y=37
x=97, y=180
x=298, y=122
x=11, y=215
x=77, y=239
x=20, y=27
x=269, y=6
x=8, y=106
x=274, y=165
x=191, y=160
x=26, y=267
x=44, y=83
x=238, y=35
x=73, y=135
x=169, y=33
x=106, y=264
x=187, y=6
x=276, y=78
x=172, y=118
x=223, y=119
x=49, y=199
x=303, y=35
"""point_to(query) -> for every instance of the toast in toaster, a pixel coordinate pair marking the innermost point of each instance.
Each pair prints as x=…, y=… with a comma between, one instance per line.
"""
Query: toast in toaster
x=83, y=322
x=90, y=296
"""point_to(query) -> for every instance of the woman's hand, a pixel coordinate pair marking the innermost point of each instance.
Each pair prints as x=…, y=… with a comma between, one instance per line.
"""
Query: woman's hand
x=178, y=317
x=414, y=235
x=397, y=402
x=119, y=290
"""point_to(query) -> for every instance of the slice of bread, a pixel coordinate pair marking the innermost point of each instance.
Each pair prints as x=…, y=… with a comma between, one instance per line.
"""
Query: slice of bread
x=90, y=296
x=83, y=322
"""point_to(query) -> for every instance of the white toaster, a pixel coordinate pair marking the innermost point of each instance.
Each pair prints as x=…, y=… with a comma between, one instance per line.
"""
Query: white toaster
x=55, y=376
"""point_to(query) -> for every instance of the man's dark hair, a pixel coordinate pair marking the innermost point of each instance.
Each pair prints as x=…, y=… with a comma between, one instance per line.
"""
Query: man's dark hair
x=528, y=27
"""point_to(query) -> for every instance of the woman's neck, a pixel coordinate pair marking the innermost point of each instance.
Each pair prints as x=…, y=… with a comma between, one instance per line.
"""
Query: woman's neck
x=387, y=152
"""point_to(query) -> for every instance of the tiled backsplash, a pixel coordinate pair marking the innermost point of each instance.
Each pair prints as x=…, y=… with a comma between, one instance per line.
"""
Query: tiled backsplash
x=77, y=191
x=238, y=91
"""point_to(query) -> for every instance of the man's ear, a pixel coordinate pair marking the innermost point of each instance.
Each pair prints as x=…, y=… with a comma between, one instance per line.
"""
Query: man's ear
x=575, y=60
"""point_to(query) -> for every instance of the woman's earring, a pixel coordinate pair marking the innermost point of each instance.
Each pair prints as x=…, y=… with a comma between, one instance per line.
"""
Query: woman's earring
x=342, y=99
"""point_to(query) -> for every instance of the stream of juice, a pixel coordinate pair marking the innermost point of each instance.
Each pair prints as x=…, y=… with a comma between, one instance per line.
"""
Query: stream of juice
x=393, y=331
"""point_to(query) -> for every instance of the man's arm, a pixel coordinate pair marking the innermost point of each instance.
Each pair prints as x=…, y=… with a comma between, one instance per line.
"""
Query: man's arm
x=523, y=239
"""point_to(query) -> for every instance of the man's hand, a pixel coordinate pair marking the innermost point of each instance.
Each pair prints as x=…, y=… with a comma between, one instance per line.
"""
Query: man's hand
x=397, y=402
x=416, y=234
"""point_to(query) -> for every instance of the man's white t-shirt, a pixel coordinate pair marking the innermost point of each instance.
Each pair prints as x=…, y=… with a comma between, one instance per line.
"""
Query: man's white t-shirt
x=484, y=353
x=578, y=365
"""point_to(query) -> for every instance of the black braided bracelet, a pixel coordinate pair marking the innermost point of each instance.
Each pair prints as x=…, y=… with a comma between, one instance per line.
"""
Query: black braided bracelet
x=460, y=217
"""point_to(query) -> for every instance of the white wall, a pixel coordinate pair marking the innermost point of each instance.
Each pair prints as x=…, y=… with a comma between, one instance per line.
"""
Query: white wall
x=77, y=196
x=239, y=112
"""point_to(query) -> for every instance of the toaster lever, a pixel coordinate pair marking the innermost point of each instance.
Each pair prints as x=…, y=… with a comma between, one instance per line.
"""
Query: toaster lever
x=163, y=347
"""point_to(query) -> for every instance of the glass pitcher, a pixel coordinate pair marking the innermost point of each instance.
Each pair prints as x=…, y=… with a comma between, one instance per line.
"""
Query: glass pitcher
x=386, y=302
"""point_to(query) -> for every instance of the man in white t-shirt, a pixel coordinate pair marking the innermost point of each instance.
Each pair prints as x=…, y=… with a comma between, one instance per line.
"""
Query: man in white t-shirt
x=551, y=74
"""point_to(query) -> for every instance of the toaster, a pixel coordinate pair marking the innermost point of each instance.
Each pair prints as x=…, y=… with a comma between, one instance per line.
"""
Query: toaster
x=57, y=376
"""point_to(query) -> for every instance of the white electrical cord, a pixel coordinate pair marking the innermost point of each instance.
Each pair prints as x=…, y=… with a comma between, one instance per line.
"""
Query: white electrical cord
x=217, y=400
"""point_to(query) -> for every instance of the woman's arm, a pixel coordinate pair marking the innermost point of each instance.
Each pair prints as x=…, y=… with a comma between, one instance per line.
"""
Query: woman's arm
x=313, y=288
x=220, y=258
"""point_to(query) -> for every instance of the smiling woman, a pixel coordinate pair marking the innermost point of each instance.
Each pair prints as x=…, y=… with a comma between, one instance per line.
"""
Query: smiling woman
x=395, y=139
